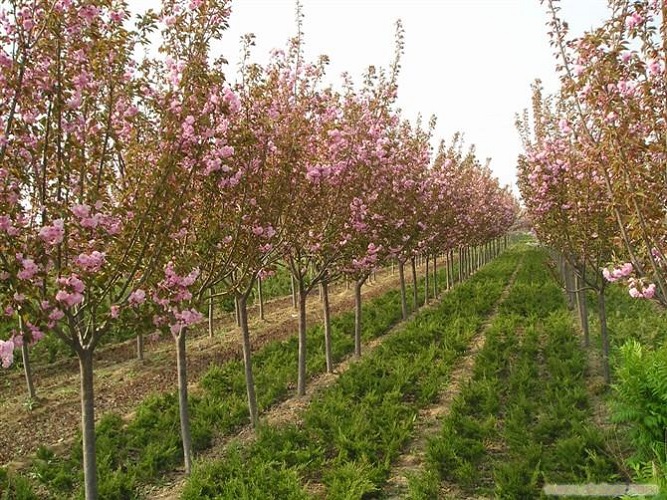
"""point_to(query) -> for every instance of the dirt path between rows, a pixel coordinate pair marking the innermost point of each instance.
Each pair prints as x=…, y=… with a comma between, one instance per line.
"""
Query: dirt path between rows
x=121, y=381
x=430, y=419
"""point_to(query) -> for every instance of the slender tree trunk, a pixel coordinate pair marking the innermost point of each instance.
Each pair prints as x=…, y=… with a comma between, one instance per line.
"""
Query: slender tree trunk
x=357, y=316
x=583, y=309
x=427, y=281
x=404, y=300
x=569, y=285
x=88, y=422
x=448, y=273
x=460, y=264
x=328, y=355
x=260, y=297
x=301, y=382
x=236, y=313
x=140, y=346
x=295, y=301
x=247, y=360
x=184, y=411
x=415, y=290
x=604, y=334
x=210, y=316
x=435, y=275
x=27, y=367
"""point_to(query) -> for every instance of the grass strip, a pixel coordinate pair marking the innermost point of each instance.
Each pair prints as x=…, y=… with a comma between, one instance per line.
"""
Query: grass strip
x=352, y=431
x=524, y=419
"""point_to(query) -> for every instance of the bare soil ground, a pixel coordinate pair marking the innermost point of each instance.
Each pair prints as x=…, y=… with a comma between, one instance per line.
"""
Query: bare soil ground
x=121, y=381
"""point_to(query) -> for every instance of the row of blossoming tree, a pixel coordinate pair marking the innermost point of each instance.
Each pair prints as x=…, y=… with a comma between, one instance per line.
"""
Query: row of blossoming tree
x=136, y=190
x=593, y=175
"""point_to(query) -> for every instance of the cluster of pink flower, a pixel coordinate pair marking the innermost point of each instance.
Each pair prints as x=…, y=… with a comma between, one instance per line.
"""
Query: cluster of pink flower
x=636, y=287
x=7, y=352
x=638, y=290
x=71, y=291
x=170, y=295
x=617, y=273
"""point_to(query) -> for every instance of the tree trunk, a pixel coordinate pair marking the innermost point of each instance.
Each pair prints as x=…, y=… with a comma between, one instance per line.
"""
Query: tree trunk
x=260, y=298
x=435, y=275
x=184, y=412
x=427, y=281
x=295, y=301
x=604, y=334
x=452, y=269
x=448, y=274
x=140, y=346
x=569, y=285
x=404, y=300
x=461, y=264
x=236, y=313
x=27, y=368
x=324, y=290
x=415, y=289
x=247, y=360
x=210, y=315
x=357, y=316
x=88, y=422
x=582, y=308
x=301, y=382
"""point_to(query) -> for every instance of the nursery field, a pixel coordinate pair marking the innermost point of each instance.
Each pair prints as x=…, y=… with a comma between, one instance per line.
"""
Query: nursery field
x=486, y=393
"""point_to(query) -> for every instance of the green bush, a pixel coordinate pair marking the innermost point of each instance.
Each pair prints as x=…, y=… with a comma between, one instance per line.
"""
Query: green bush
x=641, y=398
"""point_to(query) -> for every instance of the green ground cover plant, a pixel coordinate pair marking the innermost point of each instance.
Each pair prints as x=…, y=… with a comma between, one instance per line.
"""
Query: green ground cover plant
x=352, y=431
x=524, y=419
x=139, y=451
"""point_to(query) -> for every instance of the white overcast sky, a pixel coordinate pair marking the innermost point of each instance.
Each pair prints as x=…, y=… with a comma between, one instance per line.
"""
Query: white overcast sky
x=469, y=62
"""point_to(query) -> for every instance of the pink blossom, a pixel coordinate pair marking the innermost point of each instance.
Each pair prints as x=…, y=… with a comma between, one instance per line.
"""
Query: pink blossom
x=649, y=291
x=91, y=222
x=633, y=21
x=18, y=341
x=626, y=269
x=137, y=297
x=114, y=311
x=6, y=224
x=81, y=210
x=56, y=315
x=564, y=126
x=74, y=295
x=54, y=234
x=69, y=299
x=226, y=151
x=29, y=269
x=6, y=353
x=35, y=333
x=607, y=275
x=232, y=100
x=634, y=293
x=654, y=67
x=90, y=262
